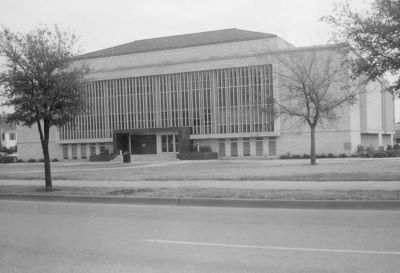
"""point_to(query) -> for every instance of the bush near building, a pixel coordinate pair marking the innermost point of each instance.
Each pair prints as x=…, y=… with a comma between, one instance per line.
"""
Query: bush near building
x=366, y=152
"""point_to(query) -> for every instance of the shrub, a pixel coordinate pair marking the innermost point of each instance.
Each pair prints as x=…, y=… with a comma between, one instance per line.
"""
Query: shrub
x=331, y=156
x=342, y=155
x=370, y=151
x=197, y=156
x=19, y=161
x=306, y=156
x=100, y=158
x=389, y=147
x=321, y=156
x=284, y=157
x=205, y=149
x=360, y=149
x=393, y=153
x=396, y=146
x=31, y=160
x=381, y=149
x=7, y=159
x=41, y=160
x=295, y=156
x=379, y=154
x=55, y=160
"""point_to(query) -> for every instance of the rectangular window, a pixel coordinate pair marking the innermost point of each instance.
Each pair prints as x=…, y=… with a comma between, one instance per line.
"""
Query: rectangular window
x=83, y=151
x=3, y=136
x=221, y=148
x=234, y=147
x=246, y=147
x=170, y=143
x=272, y=146
x=164, y=144
x=93, y=149
x=177, y=143
x=259, y=146
x=12, y=136
x=102, y=148
x=65, y=151
x=74, y=149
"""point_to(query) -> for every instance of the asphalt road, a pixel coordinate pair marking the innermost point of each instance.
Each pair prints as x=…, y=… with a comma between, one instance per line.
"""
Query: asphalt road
x=76, y=237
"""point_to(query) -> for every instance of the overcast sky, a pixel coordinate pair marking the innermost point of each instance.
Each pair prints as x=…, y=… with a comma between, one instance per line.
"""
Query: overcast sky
x=103, y=23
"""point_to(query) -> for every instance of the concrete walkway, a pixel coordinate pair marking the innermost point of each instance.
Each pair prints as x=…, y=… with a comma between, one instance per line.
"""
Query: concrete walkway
x=265, y=185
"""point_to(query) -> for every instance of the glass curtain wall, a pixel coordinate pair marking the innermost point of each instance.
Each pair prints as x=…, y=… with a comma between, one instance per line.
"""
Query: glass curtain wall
x=231, y=100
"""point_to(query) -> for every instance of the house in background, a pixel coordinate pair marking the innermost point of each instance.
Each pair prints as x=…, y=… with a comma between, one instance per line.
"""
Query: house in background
x=8, y=134
x=167, y=95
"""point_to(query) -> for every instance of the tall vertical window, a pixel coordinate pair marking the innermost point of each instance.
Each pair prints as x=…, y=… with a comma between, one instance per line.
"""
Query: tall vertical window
x=171, y=143
x=259, y=146
x=3, y=136
x=103, y=149
x=272, y=146
x=74, y=150
x=12, y=136
x=221, y=148
x=234, y=147
x=229, y=100
x=164, y=143
x=93, y=149
x=246, y=146
x=83, y=151
x=65, y=151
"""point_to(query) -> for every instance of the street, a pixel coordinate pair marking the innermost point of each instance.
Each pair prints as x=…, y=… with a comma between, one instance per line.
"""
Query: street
x=76, y=237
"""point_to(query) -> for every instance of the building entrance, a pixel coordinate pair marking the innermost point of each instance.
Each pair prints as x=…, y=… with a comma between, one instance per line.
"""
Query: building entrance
x=143, y=144
x=169, y=143
x=153, y=140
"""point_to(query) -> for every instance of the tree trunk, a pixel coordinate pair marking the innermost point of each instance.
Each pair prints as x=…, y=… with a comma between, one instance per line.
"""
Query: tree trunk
x=47, y=172
x=312, y=153
x=44, y=138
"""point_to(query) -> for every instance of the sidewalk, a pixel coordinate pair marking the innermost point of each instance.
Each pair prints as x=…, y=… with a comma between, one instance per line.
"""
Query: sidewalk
x=99, y=193
x=228, y=184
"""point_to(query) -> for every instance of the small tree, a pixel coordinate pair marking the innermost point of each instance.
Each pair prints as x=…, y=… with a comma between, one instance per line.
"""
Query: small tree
x=374, y=35
x=313, y=87
x=40, y=82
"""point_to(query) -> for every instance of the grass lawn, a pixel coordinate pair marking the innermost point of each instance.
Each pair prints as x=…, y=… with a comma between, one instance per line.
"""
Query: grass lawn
x=192, y=192
x=242, y=170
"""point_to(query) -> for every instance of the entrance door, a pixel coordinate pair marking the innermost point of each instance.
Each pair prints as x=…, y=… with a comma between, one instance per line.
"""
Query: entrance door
x=122, y=143
x=169, y=143
x=143, y=144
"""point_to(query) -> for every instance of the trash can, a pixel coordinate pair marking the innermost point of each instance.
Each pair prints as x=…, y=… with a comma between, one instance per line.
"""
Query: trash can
x=126, y=157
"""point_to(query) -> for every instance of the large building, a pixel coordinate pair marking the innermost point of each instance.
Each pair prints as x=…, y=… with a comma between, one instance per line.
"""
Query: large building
x=217, y=88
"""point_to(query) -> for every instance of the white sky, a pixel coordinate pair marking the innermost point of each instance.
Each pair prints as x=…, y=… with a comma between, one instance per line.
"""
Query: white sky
x=104, y=23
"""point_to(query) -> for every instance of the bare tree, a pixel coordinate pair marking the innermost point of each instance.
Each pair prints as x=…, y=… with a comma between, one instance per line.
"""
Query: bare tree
x=313, y=88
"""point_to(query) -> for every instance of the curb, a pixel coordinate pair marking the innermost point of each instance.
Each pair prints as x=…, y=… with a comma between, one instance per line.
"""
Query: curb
x=211, y=202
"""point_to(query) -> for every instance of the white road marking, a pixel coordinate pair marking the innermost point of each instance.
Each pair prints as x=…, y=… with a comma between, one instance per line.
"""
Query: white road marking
x=274, y=247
